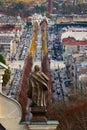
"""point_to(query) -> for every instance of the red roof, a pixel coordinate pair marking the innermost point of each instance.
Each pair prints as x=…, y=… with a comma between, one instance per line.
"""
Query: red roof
x=17, y=28
x=10, y=29
x=7, y=28
x=77, y=43
x=3, y=30
x=73, y=41
x=69, y=39
x=28, y=19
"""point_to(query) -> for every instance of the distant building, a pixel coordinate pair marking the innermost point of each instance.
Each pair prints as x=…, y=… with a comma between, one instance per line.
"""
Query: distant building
x=7, y=44
x=61, y=20
x=77, y=33
x=38, y=18
x=71, y=19
x=11, y=26
x=10, y=20
x=74, y=46
x=11, y=29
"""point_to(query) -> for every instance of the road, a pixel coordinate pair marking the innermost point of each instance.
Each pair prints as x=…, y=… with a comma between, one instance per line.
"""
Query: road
x=38, y=55
x=16, y=64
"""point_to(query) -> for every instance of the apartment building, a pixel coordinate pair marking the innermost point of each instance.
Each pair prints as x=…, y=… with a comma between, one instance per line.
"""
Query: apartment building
x=7, y=44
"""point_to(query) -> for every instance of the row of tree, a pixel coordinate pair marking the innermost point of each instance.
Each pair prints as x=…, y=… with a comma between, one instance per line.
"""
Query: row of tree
x=22, y=86
x=70, y=8
x=32, y=48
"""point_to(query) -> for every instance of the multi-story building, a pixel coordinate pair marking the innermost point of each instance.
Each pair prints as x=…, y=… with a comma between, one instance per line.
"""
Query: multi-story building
x=7, y=44
x=11, y=29
x=75, y=40
x=10, y=20
x=73, y=46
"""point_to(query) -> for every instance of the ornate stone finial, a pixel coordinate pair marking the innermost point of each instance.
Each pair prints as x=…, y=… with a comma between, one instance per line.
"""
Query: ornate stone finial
x=37, y=87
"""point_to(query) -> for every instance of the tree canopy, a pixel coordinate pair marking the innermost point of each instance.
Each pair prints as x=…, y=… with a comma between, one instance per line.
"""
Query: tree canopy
x=20, y=6
x=6, y=76
x=2, y=59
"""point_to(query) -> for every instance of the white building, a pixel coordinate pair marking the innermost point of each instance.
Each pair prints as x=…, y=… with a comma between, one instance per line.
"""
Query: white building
x=38, y=18
x=4, y=19
x=7, y=44
x=77, y=33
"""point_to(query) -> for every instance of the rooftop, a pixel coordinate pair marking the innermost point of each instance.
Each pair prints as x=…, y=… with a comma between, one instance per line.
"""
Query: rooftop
x=77, y=55
x=72, y=41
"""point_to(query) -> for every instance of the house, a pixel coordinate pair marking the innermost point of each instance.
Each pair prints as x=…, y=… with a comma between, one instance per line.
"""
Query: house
x=72, y=45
